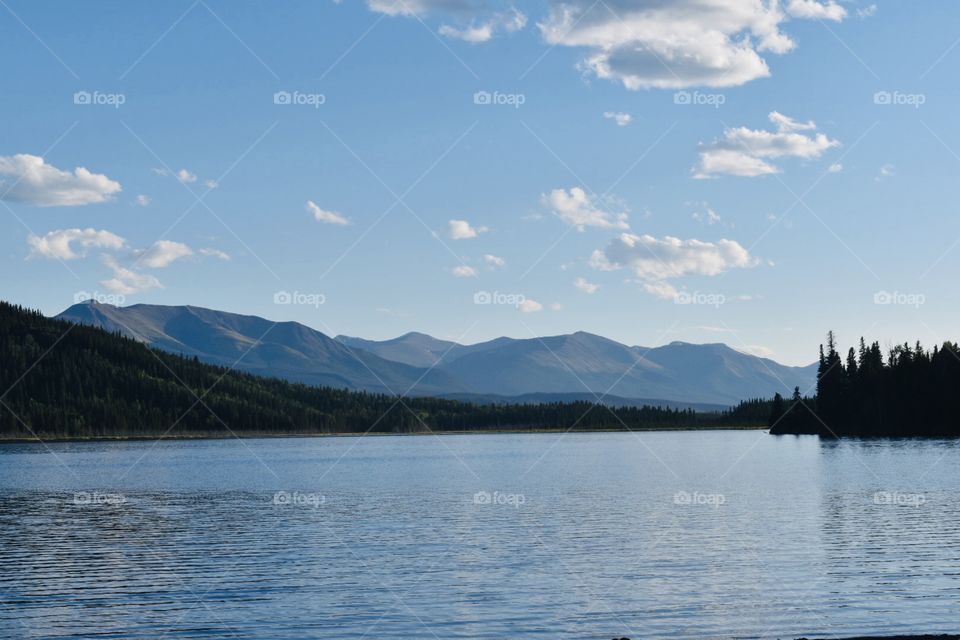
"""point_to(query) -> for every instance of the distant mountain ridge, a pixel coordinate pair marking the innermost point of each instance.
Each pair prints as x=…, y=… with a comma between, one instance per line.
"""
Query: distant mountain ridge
x=680, y=373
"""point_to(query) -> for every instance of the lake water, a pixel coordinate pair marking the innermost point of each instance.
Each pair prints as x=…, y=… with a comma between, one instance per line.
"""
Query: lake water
x=671, y=534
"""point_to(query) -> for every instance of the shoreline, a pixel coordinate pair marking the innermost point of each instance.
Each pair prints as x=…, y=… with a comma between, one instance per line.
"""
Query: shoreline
x=258, y=436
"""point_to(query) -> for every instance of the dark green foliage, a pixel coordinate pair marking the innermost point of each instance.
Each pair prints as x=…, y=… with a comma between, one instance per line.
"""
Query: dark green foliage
x=69, y=381
x=913, y=393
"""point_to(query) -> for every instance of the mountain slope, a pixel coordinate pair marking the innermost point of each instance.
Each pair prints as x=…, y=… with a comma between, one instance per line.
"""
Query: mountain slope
x=566, y=364
x=283, y=349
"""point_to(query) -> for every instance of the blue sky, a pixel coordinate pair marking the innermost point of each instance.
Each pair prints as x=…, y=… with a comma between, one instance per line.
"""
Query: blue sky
x=736, y=171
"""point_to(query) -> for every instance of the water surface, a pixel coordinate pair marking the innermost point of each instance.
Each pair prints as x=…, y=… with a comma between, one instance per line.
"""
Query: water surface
x=670, y=534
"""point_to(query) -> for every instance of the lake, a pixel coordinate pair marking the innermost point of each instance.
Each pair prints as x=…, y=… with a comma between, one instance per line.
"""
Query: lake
x=665, y=534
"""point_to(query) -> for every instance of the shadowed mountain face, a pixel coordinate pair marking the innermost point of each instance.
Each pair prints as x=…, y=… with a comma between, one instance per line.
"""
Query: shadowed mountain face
x=419, y=364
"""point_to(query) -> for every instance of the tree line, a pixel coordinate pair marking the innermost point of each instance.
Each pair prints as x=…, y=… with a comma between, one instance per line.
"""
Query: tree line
x=912, y=391
x=60, y=380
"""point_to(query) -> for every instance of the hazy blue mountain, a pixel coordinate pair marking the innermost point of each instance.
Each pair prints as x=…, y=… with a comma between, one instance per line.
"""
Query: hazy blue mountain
x=553, y=366
x=283, y=349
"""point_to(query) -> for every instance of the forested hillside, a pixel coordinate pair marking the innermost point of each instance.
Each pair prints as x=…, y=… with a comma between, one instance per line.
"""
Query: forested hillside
x=60, y=380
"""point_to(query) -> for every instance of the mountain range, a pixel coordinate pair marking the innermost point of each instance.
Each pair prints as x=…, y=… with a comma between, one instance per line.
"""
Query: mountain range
x=563, y=367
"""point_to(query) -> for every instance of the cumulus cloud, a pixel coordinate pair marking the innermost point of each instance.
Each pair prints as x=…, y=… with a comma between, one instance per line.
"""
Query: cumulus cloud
x=142, y=201
x=326, y=217
x=186, y=177
x=813, y=10
x=678, y=43
x=487, y=28
x=215, y=253
x=836, y=167
x=746, y=152
x=577, y=208
x=494, y=262
x=586, y=286
x=662, y=290
x=162, y=254
x=60, y=244
x=710, y=216
x=622, y=119
x=655, y=261
x=127, y=281
x=30, y=180
x=464, y=271
x=477, y=21
x=462, y=230
x=529, y=306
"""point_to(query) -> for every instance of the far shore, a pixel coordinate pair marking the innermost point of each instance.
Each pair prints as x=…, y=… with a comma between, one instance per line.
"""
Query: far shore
x=254, y=436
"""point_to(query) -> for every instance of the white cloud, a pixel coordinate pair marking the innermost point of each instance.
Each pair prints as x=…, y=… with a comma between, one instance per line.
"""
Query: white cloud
x=529, y=306
x=185, y=176
x=479, y=22
x=867, y=12
x=655, y=261
x=586, y=286
x=211, y=184
x=464, y=271
x=142, y=201
x=162, y=253
x=836, y=167
x=59, y=244
x=622, y=119
x=215, y=253
x=813, y=10
x=461, y=230
x=484, y=30
x=662, y=290
x=495, y=262
x=327, y=217
x=745, y=152
x=678, y=43
x=577, y=208
x=29, y=179
x=127, y=281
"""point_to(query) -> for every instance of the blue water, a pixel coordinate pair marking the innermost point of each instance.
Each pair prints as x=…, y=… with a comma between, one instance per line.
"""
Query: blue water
x=671, y=534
